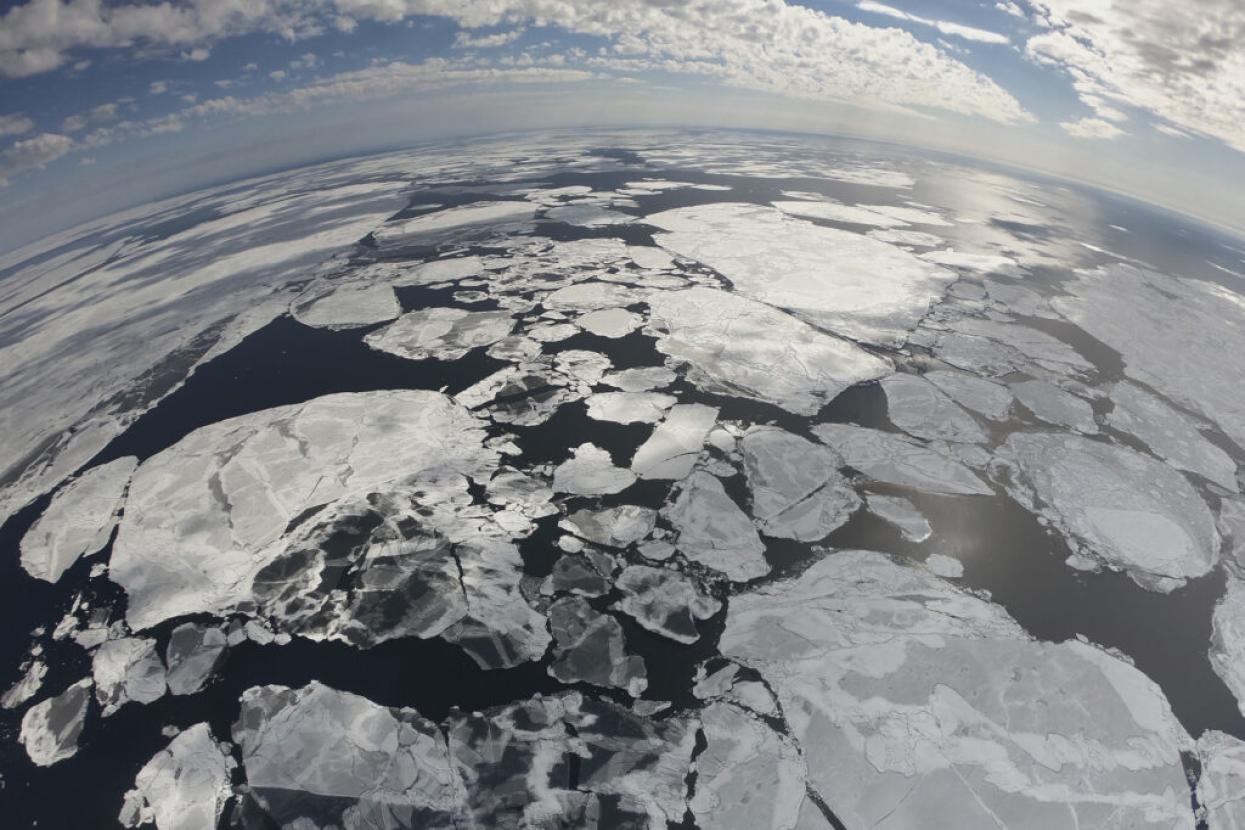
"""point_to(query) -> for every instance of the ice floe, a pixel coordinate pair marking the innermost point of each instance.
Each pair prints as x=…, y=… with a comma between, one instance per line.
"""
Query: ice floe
x=591, y=472
x=1221, y=785
x=588, y=647
x=348, y=306
x=993, y=400
x=902, y=514
x=50, y=729
x=78, y=521
x=845, y=282
x=184, y=786
x=945, y=566
x=640, y=379
x=1189, y=326
x=441, y=333
x=610, y=322
x=192, y=655
x=1170, y=434
x=739, y=347
x=26, y=687
x=919, y=705
x=586, y=574
x=664, y=601
x=894, y=459
x=672, y=449
x=455, y=223
x=921, y=409
x=614, y=527
x=796, y=487
x=712, y=530
x=127, y=669
x=1227, y=641
x=1114, y=506
x=1055, y=406
x=206, y=515
x=629, y=407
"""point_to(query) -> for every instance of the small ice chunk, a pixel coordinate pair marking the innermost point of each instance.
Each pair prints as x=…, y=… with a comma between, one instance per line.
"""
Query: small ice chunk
x=590, y=472
x=348, y=306
x=713, y=531
x=441, y=333
x=945, y=566
x=1170, y=434
x=894, y=459
x=26, y=687
x=641, y=379
x=664, y=601
x=629, y=407
x=1123, y=508
x=610, y=322
x=743, y=348
x=614, y=527
x=127, y=669
x=78, y=521
x=193, y=653
x=1055, y=406
x=923, y=410
x=50, y=729
x=589, y=648
x=658, y=550
x=184, y=786
x=993, y=400
x=902, y=514
x=797, y=489
x=671, y=451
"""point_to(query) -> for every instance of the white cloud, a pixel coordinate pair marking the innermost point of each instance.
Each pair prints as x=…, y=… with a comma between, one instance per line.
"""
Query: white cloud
x=277, y=74
x=768, y=45
x=86, y=161
x=464, y=40
x=15, y=124
x=158, y=87
x=96, y=115
x=308, y=60
x=946, y=27
x=1093, y=128
x=1010, y=8
x=32, y=153
x=1184, y=63
x=198, y=54
x=250, y=67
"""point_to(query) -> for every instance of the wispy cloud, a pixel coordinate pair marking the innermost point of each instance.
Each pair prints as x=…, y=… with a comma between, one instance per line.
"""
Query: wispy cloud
x=944, y=26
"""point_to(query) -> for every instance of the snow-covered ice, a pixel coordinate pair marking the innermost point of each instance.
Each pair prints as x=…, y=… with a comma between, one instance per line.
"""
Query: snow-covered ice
x=51, y=728
x=675, y=444
x=127, y=669
x=923, y=410
x=629, y=407
x=590, y=471
x=1055, y=406
x=441, y=333
x=797, y=489
x=712, y=530
x=184, y=786
x=902, y=514
x=664, y=601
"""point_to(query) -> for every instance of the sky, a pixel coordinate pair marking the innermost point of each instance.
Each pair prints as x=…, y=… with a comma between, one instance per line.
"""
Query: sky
x=105, y=104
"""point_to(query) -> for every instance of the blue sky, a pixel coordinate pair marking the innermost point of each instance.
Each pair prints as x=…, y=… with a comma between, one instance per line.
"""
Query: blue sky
x=107, y=104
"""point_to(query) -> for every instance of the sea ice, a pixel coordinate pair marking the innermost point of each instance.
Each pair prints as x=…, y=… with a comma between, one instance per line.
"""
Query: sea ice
x=1227, y=639
x=902, y=514
x=456, y=222
x=1114, y=505
x=590, y=472
x=349, y=306
x=127, y=669
x=589, y=648
x=441, y=333
x=672, y=449
x=739, y=347
x=1170, y=434
x=1055, y=406
x=614, y=527
x=610, y=322
x=50, y=729
x=712, y=530
x=837, y=280
x=193, y=653
x=1221, y=786
x=894, y=459
x=993, y=400
x=923, y=410
x=917, y=704
x=184, y=786
x=78, y=521
x=629, y=407
x=664, y=601
x=797, y=489
x=640, y=379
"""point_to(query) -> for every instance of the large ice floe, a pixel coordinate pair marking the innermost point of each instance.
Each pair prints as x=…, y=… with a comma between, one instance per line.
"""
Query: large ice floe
x=895, y=459
x=736, y=346
x=441, y=333
x=919, y=705
x=1114, y=506
x=844, y=282
x=713, y=531
x=334, y=759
